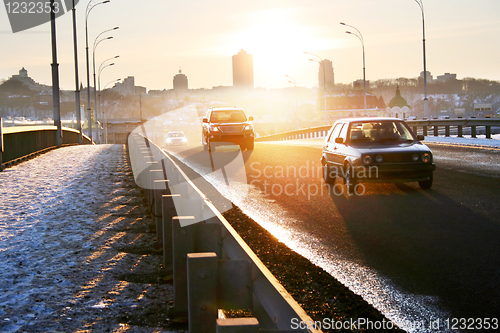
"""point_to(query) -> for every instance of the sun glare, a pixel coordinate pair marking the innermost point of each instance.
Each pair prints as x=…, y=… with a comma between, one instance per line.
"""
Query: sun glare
x=277, y=39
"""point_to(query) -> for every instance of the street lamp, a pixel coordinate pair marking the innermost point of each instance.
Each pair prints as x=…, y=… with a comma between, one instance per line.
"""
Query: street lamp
x=77, y=80
x=296, y=103
x=324, y=77
x=101, y=68
x=87, y=13
x=426, y=104
x=105, y=117
x=99, y=83
x=360, y=37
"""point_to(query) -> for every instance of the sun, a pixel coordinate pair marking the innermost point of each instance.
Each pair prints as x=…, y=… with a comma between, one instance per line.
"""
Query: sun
x=277, y=39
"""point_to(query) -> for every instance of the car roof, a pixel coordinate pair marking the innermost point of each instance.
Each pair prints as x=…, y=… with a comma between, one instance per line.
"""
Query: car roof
x=225, y=108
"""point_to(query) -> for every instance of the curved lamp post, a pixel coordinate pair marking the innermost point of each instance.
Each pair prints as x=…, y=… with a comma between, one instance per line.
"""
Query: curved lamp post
x=99, y=82
x=101, y=68
x=426, y=104
x=87, y=13
x=324, y=77
x=296, y=104
x=360, y=37
x=105, y=117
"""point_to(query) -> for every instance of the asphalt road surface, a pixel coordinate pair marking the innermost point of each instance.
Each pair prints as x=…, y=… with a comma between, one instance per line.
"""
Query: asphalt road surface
x=442, y=245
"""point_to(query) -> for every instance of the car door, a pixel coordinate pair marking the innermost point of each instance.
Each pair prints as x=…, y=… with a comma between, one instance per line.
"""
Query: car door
x=330, y=145
x=341, y=149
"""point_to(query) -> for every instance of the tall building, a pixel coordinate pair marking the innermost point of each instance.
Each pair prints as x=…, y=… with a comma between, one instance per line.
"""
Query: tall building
x=243, y=70
x=180, y=82
x=326, y=78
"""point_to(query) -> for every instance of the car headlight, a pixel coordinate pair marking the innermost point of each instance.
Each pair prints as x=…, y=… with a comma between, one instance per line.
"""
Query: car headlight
x=427, y=157
x=367, y=159
x=248, y=127
x=415, y=157
x=184, y=139
x=169, y=140
x=214, y=128
x=379, y=158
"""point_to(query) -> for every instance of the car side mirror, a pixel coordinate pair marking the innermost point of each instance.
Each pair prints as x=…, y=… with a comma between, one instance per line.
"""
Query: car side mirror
x=420, y=137
x=339, y=140
x=205, y=120
x=250, y=118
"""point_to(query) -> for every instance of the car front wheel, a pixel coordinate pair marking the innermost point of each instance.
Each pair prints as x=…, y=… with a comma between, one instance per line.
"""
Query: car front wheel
x=426, y=184
x=326, y=174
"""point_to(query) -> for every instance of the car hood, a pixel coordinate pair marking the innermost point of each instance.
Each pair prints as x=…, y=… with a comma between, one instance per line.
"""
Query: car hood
x=392, y=148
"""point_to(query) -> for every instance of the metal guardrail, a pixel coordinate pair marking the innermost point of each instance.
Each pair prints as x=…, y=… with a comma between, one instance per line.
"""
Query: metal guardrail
x=212, y=267
x=422, y=126
x=21, y=142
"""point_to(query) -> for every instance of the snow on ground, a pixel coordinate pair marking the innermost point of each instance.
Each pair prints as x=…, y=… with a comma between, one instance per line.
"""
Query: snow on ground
x=75, y=251
x=466, y=140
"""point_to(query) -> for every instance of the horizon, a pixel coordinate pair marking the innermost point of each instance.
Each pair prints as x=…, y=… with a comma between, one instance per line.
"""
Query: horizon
x=200, y=37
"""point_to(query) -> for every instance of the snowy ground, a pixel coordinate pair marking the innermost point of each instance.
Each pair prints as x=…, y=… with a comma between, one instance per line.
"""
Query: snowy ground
x=466, y=140
x=75, y=251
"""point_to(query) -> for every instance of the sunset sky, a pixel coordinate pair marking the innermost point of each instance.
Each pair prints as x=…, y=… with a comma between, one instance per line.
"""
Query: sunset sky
x=157, y=37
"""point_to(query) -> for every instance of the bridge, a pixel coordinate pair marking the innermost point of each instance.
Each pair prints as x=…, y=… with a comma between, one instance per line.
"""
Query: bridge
x=403, y=243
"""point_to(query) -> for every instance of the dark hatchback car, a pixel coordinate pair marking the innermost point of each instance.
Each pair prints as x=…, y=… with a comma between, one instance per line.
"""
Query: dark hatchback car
x=225, y=126
x=376, y=150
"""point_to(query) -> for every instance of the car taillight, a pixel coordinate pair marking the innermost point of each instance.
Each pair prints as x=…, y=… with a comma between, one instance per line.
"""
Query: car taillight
x=367, y=159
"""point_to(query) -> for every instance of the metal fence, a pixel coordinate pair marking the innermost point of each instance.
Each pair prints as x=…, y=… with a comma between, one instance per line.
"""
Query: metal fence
x=445, y=127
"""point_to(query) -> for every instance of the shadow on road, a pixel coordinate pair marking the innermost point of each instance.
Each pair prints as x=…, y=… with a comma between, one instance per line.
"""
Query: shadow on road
x=430, y=245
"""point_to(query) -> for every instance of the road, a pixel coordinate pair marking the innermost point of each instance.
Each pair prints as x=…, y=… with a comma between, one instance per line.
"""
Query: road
x=414, y=254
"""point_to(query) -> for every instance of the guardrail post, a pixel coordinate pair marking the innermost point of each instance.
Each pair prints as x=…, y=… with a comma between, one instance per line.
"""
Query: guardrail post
x=424, y=130
x=168, y=212
x=447, y=130
x=488, y=132
x=436, y=130
x=202, y=291
x=460, y=131
x=1, y=142
x=238, y=325
x=182, y=244
x=473, y=132
x=160, y=188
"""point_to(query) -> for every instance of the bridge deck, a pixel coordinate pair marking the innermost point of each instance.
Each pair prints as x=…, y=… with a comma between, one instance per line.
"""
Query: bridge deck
x=74, y=245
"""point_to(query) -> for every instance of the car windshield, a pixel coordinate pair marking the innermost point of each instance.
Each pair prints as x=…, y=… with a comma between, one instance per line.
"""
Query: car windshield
x=175, y=135
x=228, y=116
x=380, y=131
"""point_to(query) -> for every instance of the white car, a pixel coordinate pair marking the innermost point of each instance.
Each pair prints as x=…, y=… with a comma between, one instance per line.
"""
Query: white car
x=176, y=138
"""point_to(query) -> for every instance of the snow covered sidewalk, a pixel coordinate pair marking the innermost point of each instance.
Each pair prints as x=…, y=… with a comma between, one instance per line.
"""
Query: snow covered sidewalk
x=76, y=254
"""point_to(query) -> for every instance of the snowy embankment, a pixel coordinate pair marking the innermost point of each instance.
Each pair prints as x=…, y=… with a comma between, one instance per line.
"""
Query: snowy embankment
x=75, y=251
x=466, y=140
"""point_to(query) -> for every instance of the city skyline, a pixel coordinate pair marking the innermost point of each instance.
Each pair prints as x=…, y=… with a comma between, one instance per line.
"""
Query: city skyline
x=156, y=38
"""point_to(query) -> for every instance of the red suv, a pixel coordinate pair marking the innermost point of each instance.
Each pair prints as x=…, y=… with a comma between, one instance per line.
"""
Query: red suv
x=225, y=126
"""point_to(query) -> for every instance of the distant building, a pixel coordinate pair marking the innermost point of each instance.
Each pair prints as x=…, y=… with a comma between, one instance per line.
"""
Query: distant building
x=349, y=103
x=243, y=70
x=398, y=107
x=428, y=77
x=180, y=82
x=127, y=87
x=446, y=77
x=326, y=79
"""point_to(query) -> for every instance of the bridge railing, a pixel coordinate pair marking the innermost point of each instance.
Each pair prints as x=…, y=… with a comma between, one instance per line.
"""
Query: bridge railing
x=17, y=143
x=445, y=127
x=212, y=267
